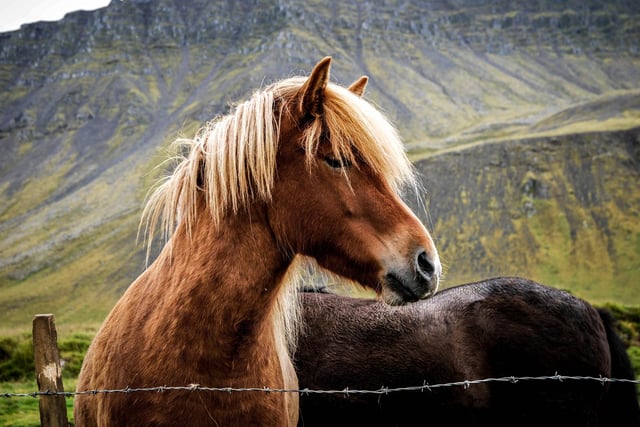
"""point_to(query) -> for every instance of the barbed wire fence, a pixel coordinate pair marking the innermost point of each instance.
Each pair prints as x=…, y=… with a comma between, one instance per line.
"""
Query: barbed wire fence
x=52, y=397
x=306, y=391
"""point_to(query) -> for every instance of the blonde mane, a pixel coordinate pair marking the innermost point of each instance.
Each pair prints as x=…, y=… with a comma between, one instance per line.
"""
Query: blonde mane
x=232, y=159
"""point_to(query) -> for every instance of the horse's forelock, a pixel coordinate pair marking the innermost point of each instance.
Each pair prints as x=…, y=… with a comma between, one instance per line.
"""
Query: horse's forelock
x=360, y=132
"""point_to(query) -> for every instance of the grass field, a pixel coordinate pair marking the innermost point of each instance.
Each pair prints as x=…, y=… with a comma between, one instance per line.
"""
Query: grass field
x=24, y=411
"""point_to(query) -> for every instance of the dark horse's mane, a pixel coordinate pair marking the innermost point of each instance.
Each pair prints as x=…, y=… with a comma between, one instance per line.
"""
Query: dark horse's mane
x=501, y=327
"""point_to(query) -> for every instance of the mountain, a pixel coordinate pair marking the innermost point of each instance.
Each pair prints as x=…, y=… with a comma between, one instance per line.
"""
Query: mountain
x=91, y=102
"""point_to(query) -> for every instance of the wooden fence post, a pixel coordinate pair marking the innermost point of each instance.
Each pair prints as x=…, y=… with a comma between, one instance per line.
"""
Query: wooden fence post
x=53, y=408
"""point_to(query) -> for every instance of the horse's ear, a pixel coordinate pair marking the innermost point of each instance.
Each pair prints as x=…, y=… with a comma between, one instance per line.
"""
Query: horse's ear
x=359, y=85
x=312, y=92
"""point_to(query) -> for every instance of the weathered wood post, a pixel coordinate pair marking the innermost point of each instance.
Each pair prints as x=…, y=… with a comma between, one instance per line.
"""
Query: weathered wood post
x=53, y=409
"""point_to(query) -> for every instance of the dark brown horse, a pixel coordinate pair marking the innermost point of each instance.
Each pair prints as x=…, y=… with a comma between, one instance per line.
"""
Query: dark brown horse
x=503, y=327
x=303, y=168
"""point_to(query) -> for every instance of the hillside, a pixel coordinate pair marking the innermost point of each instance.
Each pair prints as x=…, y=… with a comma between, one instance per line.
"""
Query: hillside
x=90, y=103
x=563, y=210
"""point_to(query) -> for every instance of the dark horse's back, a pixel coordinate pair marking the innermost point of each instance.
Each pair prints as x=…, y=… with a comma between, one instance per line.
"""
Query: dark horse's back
x=503, y=327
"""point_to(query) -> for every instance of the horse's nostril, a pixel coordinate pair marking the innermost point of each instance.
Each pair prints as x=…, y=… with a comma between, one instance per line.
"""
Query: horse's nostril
x=424, y=265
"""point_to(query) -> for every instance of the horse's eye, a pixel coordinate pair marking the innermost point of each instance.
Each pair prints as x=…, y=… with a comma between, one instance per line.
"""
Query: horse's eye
x=337, y=163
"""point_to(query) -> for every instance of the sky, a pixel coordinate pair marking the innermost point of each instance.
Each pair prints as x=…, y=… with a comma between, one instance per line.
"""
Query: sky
x=14, y=13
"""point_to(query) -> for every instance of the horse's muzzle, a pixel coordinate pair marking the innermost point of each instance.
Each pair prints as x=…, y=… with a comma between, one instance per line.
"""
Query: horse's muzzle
x=419, y=282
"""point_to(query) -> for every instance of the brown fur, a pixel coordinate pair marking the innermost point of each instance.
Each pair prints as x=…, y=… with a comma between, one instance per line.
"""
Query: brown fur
x=258, y=189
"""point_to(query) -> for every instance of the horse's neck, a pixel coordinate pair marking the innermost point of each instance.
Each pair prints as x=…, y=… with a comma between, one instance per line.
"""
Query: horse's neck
x=227, y=281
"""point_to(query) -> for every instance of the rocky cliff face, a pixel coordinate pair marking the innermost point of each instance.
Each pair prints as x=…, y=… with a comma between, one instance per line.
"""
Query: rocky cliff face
x=469, y=61
x=90, y=103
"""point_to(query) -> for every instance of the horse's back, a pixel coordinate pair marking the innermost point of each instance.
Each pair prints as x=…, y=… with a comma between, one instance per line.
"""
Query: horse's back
x=516, y=321
x=503, y=327
x=525, y=329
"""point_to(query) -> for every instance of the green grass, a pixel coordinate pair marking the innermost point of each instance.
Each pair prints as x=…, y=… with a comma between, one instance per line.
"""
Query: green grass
x=24, y=411
x=19, y=411
x=17, y=376
x=16, y=355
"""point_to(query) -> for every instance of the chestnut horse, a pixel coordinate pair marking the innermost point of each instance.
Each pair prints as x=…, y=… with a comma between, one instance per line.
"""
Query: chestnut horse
x=303, y=168
x=497, y=328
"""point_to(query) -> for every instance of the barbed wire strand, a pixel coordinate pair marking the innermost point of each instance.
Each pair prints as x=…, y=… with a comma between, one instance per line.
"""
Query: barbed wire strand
x=306, y=391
